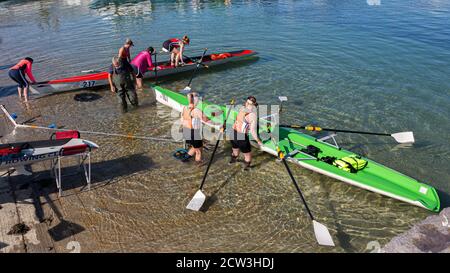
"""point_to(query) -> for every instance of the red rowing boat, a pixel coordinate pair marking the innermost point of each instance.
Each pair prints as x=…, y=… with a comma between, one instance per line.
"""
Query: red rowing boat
x=164, y=69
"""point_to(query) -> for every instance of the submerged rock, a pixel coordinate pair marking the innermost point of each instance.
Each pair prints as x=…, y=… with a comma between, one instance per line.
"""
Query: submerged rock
x=430, y=235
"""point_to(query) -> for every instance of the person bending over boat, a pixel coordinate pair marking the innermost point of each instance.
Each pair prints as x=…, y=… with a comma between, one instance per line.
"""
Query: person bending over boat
x=141, y=63
x=192, y=118
x=124, y=52
x=176, y=48
x=17, y=73
x=121, y=80
x=246, y=121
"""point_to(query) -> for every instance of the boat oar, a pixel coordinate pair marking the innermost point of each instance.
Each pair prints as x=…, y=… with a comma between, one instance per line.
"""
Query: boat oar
x=194, y=61
x=156, y=70
x=199, y=198
x=321, y=232
x=402, y=137
x=187, y=89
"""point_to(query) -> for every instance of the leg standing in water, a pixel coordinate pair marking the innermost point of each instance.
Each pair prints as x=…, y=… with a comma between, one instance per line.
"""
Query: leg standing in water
x=141, y=64
x=121, y=81
x=246, y=121
x=17, y=73
x=191, y=119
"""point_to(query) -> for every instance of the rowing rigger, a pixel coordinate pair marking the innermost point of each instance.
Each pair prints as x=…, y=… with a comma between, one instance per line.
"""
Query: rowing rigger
x=129, y=136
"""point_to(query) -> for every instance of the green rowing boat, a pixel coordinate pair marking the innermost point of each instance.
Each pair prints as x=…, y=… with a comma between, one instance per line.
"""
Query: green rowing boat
x=372, y=176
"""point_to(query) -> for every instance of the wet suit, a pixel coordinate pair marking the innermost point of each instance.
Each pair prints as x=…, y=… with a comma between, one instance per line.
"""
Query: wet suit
x=124, y=84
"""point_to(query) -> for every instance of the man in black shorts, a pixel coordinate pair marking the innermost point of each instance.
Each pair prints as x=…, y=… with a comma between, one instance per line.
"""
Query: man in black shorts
x=192, y=118
x=246, y=121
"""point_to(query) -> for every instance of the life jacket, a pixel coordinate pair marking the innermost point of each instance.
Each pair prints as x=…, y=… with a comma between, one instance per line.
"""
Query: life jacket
x=352, y=163
x=188, y=120
x=220, y=56
x=22, y=65
x=174, y=42
x=241, y=125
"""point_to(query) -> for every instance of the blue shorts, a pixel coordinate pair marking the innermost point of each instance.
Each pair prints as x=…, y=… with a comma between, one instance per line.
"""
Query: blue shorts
x=18, y=76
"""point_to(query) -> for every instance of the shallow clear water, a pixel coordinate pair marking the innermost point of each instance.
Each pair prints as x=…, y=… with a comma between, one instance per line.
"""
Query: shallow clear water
x=343, y=64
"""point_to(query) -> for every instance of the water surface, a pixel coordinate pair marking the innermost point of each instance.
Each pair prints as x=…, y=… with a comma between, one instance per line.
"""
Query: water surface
x=343, y=64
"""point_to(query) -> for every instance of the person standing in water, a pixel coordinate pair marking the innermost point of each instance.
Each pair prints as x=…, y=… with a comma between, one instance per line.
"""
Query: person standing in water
x=17, y=73
x=124, y=52
x=176, y=48
x=141, y=64
x=246, y=121
x=191, y=118
x=121, y=81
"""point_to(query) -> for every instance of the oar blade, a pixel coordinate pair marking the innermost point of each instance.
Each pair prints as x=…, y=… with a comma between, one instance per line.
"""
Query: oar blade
x=186, y=90
x=33, y=90
x=404, y=137
x=197, y=201
x=323, y=236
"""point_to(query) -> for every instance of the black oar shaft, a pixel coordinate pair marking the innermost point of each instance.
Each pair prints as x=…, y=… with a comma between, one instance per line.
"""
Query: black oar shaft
x=334, y=130
x=209, y=163
x=196, y=68
x=298, y=188
x=355, y=132
x=217, y=145
x=156, y=71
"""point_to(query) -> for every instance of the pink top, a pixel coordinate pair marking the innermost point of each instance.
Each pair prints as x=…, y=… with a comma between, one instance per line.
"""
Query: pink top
x=142, y=61
x=25, y=65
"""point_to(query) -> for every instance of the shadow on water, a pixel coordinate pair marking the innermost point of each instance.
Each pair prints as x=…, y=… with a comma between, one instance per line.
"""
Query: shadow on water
x=212, y=199
x=6, y=91
x=445, y=199
x=5, y=67
x=64, y=228
x=343, y=238
x=3, y=245
x=102, y=172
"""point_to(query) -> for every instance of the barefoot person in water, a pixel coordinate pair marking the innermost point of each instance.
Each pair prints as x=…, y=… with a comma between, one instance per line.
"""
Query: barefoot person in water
x=141, y=64
x=246, y=121
x=176, y=48
x=17, y=73
x=191, y=118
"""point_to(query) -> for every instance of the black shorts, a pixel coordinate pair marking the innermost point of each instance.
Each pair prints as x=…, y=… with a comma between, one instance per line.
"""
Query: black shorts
x=137, y=72
x=168, y=45
x=18, y=76
x=193, y=137
x=241, y=141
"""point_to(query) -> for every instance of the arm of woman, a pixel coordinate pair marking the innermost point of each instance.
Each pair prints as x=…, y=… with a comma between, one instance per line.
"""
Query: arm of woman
x=181, y=53
x=30, y=74
x=111, y=85
x=254, y=127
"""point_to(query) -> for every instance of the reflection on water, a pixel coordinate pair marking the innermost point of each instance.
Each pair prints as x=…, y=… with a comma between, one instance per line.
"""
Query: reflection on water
x=341, y=64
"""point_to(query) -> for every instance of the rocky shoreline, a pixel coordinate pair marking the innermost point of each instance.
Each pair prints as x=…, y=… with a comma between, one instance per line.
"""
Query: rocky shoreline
x=432, y=235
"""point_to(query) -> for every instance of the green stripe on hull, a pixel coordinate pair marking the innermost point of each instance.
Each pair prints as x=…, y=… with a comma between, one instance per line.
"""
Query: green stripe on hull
x=375, y=177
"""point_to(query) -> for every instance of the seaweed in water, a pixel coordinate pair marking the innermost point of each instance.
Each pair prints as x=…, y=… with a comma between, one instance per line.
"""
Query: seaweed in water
x=19, y=229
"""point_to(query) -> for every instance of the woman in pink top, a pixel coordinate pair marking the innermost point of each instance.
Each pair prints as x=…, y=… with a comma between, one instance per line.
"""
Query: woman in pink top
x=17, y=73
x=141, y=64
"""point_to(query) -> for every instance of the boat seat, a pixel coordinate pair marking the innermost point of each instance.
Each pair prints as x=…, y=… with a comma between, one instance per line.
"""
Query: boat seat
x=65, y=135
